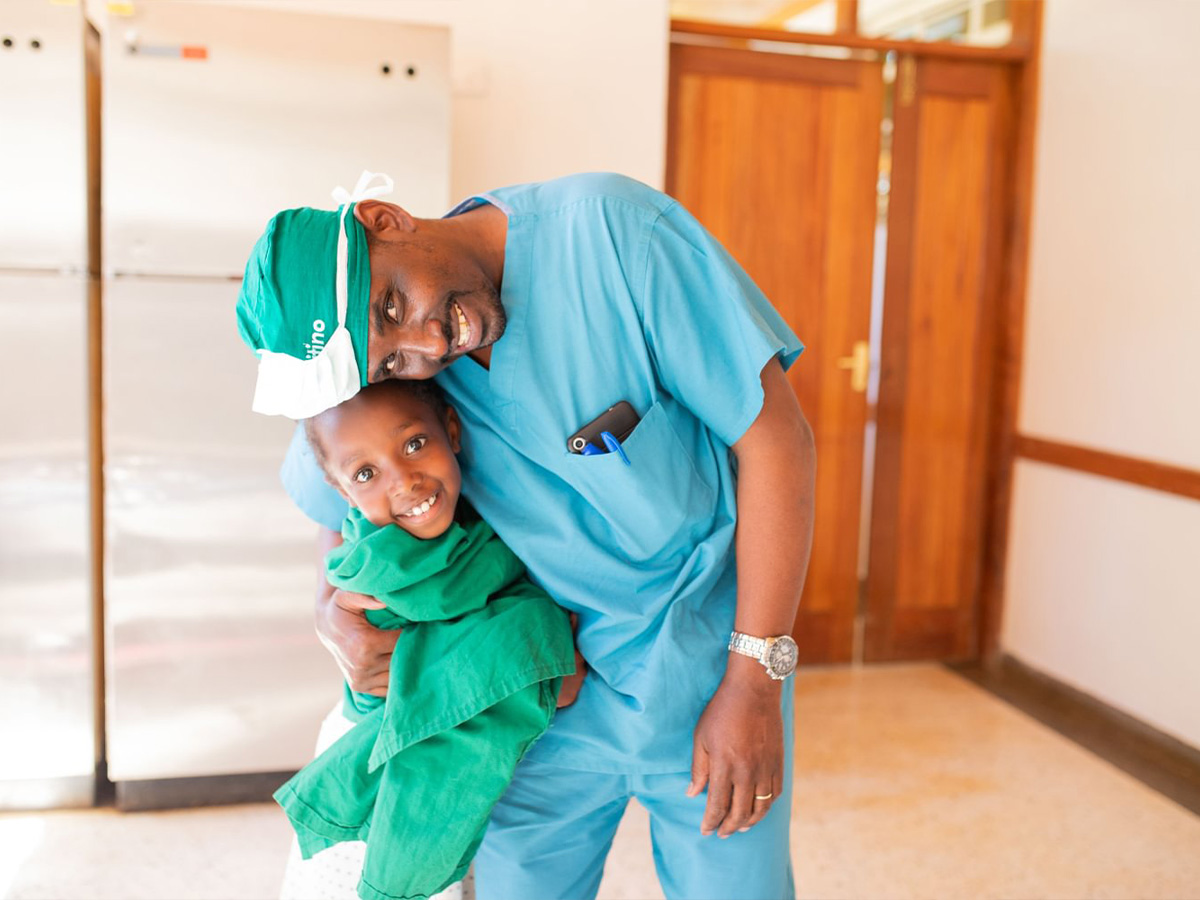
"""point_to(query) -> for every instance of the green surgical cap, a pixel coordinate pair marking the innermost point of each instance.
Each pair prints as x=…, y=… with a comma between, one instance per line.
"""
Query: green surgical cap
x=288, y=302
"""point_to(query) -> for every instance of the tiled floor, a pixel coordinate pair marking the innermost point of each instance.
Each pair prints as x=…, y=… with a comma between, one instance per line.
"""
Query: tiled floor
x=911, y=783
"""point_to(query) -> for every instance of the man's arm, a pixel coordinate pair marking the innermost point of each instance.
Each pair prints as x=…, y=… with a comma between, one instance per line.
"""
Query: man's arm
x=738, y=743
x=362, y=651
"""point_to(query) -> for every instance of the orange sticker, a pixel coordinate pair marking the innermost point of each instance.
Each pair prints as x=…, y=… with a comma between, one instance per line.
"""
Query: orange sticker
x=195, y=53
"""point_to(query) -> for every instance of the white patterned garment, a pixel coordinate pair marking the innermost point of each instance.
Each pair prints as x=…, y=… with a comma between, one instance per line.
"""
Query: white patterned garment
x=333, y=873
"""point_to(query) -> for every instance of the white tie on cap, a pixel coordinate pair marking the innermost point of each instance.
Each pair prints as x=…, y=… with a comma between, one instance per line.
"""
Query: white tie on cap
x=364, y=190
x=300, y=388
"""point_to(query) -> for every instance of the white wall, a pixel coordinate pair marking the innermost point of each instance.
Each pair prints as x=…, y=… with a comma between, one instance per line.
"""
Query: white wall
x=1114, y=297
x=542, y=87
x=1102, y=592
x=1101, y=587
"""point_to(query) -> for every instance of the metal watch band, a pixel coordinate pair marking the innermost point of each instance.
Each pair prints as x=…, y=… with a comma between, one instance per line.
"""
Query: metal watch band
x=778, y=654
x=748, y=645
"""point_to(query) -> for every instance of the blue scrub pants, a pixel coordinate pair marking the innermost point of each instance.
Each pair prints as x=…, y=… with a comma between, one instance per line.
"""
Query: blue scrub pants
x=552, y=830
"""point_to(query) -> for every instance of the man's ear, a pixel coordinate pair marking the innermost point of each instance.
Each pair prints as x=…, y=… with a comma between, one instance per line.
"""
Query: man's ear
x=383, y=219
x=453, y=429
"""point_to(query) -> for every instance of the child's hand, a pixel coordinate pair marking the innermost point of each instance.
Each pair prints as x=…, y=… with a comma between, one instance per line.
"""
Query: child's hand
x=568, y=691
x=362, y=651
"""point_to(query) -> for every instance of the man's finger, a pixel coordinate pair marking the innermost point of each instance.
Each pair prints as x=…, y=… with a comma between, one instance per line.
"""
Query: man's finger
x=699, y=770
x=364, y=654
x=741, y=807
x=376, y=686
x=371, y=679
x=764, y=796
x=720, y=791
x=371, y=648
x=568, y=691
x=348, y=600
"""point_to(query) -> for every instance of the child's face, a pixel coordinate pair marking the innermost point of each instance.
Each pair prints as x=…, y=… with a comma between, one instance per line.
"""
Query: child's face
x=391, y=456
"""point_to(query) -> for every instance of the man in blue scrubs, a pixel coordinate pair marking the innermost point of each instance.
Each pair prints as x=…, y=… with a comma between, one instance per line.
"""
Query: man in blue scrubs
x=537, y=308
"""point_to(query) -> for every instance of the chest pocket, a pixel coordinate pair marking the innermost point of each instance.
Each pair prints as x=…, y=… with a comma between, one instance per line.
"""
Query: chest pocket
x=656, y=505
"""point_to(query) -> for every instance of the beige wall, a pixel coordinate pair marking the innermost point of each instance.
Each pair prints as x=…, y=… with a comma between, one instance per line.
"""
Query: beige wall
x=1102, y=590
x=542, y=87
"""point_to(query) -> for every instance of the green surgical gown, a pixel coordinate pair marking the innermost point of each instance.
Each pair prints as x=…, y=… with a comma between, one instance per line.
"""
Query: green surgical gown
x=474, y=681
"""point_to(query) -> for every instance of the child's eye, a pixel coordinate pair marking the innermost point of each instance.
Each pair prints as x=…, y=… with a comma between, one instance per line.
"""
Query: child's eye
x=363, y=475
x=415, y=444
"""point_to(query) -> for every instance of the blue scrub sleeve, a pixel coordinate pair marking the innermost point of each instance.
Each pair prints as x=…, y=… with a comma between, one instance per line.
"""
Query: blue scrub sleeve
x=709, y=327
x=305, y=483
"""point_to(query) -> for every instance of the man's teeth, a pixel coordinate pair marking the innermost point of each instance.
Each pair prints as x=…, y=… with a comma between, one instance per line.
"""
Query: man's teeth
x=464, y=329
x=422, y=508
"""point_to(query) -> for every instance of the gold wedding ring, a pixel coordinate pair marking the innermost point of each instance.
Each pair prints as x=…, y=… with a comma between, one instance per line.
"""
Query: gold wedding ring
x=764, y=796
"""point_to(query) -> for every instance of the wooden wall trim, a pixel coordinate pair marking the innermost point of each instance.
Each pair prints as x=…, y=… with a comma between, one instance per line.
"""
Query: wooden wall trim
x=1169, y=479
x=943, y=49
x=1160, y=761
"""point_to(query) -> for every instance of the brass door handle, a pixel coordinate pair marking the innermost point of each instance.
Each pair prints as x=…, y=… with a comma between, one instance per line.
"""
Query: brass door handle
x=859, y=364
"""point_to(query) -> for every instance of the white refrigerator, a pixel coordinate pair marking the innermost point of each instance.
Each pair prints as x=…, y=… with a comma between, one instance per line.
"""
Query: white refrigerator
x=47, y=685
x=214, y=118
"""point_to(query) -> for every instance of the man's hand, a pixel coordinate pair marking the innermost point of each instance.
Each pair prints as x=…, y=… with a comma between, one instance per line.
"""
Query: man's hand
x=568, y=691
x=737, y=750
x=362, y=651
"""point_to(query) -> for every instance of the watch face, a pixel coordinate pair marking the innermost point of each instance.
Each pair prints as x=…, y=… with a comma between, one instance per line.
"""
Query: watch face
x=782, y=657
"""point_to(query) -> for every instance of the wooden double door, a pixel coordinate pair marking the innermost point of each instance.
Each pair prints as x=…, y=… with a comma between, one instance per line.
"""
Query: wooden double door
x=779, y=156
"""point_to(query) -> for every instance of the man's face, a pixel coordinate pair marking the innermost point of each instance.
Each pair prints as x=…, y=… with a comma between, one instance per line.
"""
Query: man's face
x=429, y=305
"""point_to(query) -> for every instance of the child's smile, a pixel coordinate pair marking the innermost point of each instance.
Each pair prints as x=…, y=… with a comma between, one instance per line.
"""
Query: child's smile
x=420, y=510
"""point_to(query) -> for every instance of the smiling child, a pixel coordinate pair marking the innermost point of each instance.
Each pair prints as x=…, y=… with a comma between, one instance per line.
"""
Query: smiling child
x=477, y=668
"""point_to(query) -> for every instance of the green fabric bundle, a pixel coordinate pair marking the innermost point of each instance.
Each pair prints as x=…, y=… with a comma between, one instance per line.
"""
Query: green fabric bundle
x=474, y=681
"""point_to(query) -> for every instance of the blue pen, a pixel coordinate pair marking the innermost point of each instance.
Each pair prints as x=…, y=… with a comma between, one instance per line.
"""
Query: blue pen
x=590, y=449
x=614, y=446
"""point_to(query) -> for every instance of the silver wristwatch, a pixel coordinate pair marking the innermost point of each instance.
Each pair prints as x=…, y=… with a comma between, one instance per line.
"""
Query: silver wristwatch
x=778, y=655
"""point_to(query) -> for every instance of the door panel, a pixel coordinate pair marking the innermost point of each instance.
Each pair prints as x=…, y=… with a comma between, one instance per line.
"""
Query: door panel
x=777, y=155
x=213, y=667
x=43, y=177
x=46, y=677
x=946, y=232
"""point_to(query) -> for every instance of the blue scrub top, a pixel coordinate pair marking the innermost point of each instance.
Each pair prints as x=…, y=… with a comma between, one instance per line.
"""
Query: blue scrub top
x=613, y=292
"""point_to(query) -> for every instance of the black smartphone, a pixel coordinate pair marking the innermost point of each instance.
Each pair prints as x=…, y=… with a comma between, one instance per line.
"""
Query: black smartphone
x=619, y=419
